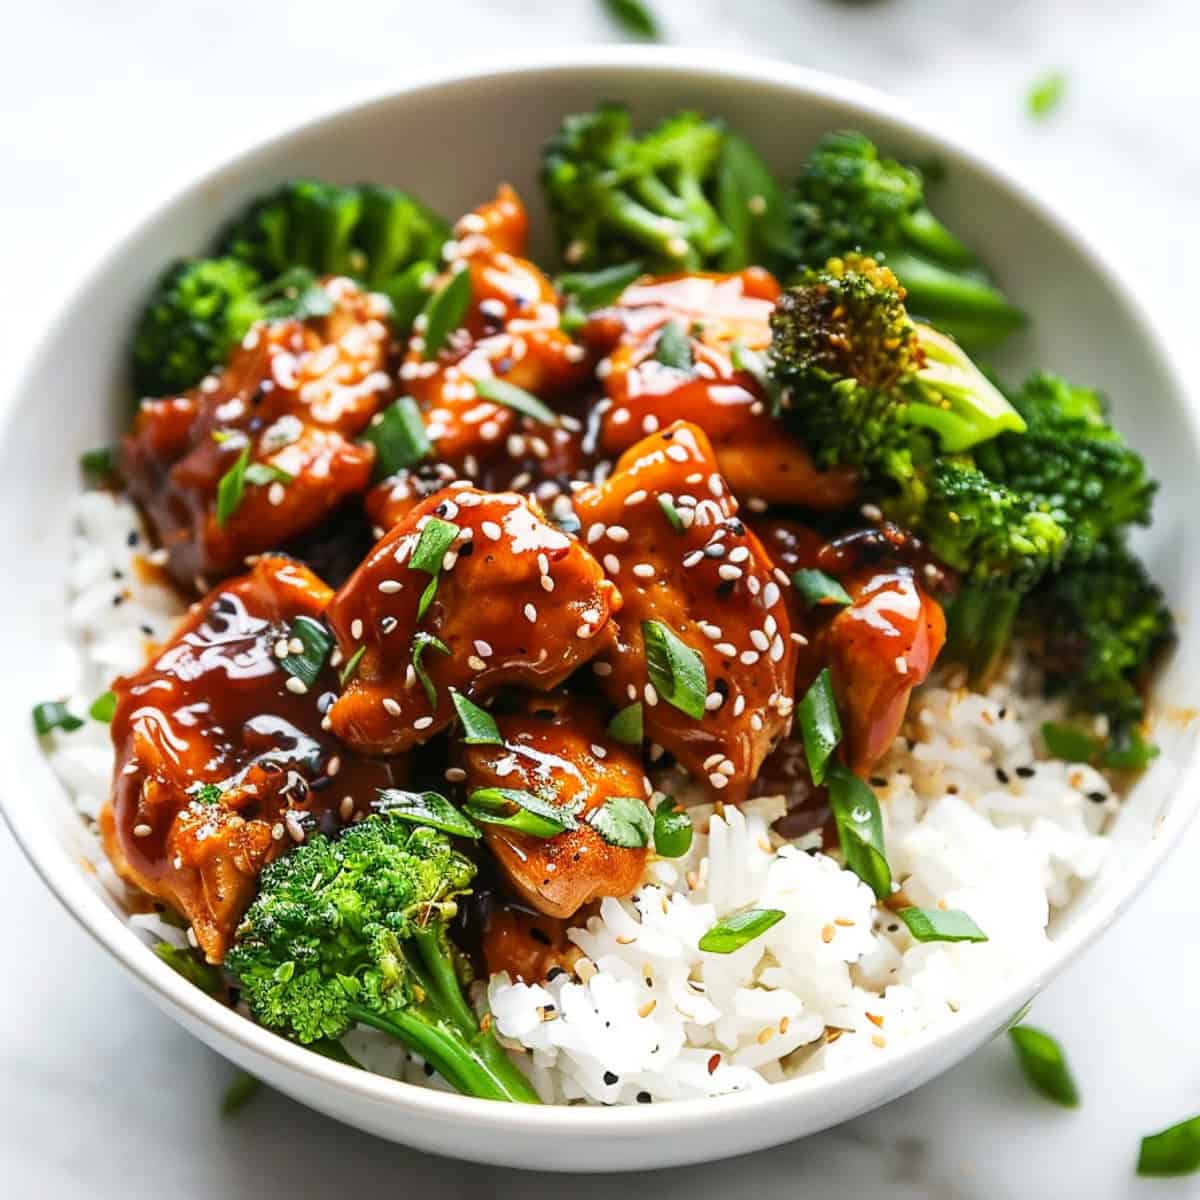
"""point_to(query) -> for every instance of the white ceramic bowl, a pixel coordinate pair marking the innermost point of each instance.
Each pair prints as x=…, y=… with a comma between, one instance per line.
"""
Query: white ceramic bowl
x=451, y=137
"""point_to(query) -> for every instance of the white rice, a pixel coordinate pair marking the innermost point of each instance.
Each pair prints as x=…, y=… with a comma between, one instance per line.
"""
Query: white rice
x=977, y=818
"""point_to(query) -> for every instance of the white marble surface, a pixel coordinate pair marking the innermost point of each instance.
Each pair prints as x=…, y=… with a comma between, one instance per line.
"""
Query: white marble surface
x=102, y=1096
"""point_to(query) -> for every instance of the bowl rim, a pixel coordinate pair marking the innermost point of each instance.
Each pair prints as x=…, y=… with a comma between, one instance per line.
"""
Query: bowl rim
x=63, y=877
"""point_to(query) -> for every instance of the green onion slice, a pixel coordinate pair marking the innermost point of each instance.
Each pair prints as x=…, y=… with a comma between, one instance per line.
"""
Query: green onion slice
x=259, y=474
x=436, y=538
x=425, y=808
x=754, y=364
x=860, y=829
x=232, y=487
x=54, y=714
x=941, y=925
x=633, y=17
x=623, y=821
x=627, y=725
x=192, y=967
x=399, y=437
x=674, y=348
x=675, y=669
x=673, y=830
x=479, y=727
x=586, y=291
x=1044, y=1065
x=815, y=587
x=521, y=811
x=206, y=793
x=350, y=669
x=99, y=464
x=736, y=930
x=103, y=707
x=444, y=312
x=422, y=641
x=316, y=641
x=671, y=513
x=519, y=400
x=1174, y=1151
x=820, y=728
x=1069, y=742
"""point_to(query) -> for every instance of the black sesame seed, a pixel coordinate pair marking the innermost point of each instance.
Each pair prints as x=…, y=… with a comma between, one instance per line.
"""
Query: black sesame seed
x=610, y=1078
x=736, y=528
x=1001, y=774
x=877, y=781
x=539, y=935
x=428, y=1071
x=893, y=928
x=725, y=587
x=721, y=687
x=1097, y=797
x=118, y=600
x=466, y=550
x=132, y=538
x=643, y=1097
x=554, y=973
x=1026, y=772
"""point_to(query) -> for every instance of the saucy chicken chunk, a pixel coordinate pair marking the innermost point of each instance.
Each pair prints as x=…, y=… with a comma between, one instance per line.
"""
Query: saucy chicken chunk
x=558, y=750
x=649, y=383
x=508, y=599
x=221, y=759
x=263, y=450
x=510, y=332
x=666, y=528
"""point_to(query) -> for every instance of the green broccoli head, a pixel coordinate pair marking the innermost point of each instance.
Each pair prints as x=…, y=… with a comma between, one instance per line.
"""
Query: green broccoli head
x=200, y=309
x=848, y=198
x=1097, y=629
x=354, y=931
x=617, y=197
x=395, y=232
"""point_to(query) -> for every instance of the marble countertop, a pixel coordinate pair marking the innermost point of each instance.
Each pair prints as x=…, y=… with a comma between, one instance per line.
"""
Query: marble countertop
x=101, y=1095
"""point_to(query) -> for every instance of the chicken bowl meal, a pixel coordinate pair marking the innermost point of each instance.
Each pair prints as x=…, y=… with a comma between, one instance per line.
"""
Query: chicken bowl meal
x=657, y=668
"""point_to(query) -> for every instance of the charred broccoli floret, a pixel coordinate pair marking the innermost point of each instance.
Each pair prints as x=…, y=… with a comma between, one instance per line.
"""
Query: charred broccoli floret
x=850, y=199
x=354, y=931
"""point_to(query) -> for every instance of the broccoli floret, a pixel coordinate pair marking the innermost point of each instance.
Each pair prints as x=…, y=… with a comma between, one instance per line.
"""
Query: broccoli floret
x=354, y=931
x=1074, y=462
x=850, y=199
x=617, y=197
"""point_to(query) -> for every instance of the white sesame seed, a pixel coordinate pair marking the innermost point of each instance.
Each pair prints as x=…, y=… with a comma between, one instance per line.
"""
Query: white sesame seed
x=756, y=722
x=727, y=768
x=748, y=658
x=713, y=701
x=728, y=571
x=275, y=494
x=676, y=453
x=635, y=498
x=618, y=533
x=649, y=423
x=690, y=560
x=771, y=595
x=777, y=649
x=489, y=431
x=718, y=780
x=192, y=940
x=277, y=831
x=281, y=648
x=455, y=774
x=491, y=530
x=333, y=766
x=759, y=640
x=901, y=665
x=650, y=694
x=356, y=628
x=599, y=751
x=295, y=646
x=756, y=504
x=482, y=648
x=752, y=585
x=142, y=830
x=714, y=633
x=781, y=577
x=391, y=707
x=476, y=663
x=543, y=563
x=770, y=625
x=422, y=722
x=296, y=686
x=294, y=827
x=530, y=613
x=595, y=533
x=739, y=554
x=726, y=649
x=389, y=587
x=612, y=564
x=631, y=691
x=644, y=570
x=715, y=486
x=739, y=706
x=346, y=808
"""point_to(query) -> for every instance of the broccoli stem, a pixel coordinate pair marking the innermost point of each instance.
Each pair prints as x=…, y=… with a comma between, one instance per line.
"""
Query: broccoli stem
x=979, y=624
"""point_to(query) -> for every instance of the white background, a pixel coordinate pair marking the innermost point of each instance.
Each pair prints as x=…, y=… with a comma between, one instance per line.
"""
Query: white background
x=103, y=102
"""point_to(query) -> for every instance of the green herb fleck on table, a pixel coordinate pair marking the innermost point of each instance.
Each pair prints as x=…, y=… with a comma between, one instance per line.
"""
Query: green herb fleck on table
x=1046, y=95
x=1044, y=1065
x=239, y=1093
x=633, y=17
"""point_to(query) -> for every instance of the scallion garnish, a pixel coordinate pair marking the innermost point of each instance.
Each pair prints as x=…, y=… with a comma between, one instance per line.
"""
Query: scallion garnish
x=444, y=312
x=348, y=671
x=673, y=829
x=232, y=487
x=671, y=513
x=99, y=464
x=192, y=967
x=259, y=474
x=422, y=641
x=675, y=669
x=519, y=400
x=815, y=587
x=1070, y=742
x=1174, y=1151
x=1131, y=752
x=626, y=726
x=1044, y=1065
x=479, y=727
x=399, y=437
x=239, y=1093
x=521, y=811
x=633, y=16
x=408, y=292
x=425, y=808
x=315, y=641
x=623, y=821
x=206, y=793
x=860, y=829
x=103, y=707
x=54, y=714
x=674, y=347
x=436, y=538
x=941, y=925
x=586, y=291
x=734, y=931
x=820, y=728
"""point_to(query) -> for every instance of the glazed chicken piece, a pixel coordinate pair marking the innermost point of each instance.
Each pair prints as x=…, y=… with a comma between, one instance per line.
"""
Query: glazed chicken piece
x=528, y=945
x=759, y=459
x=516, y=601
x=880, y=646
x=297, y=394
x=711, y=584
x=559, y=751
x=221, y=760
x=511, y=332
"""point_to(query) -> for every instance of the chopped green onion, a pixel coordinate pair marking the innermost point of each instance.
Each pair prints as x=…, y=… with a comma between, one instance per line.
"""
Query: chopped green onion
x=633, y=17
x=533, y=815
x=673, y=830
x=1044, y=1065
x=348, y=671
x=1130, y=753
x=188, y=963
x=736, y=930
x=399, y=437
x=436, y=538
x=316, y=642
x=1174, y=1151
x=860, y=829
x=99, y=464
x=259, y=474
x=519, y=400
x=1046, y=95
x=671, y=513
x=815, y=587
x=221, y=436
x=674, y=348
x=408, y=293
x=586, y=291
x=675, y=669
x=742, y=358
x=479, y=727
x=206, y=793
x=232, y=487
x=54, y=714
x=941, y=925
x=239, y=1093
x=623, y=821
x=820, y=728
x=627, y=725
x=444, y=312
x=103, y=707
x=420, y=642
x=425, y=808
x=1069, y=742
